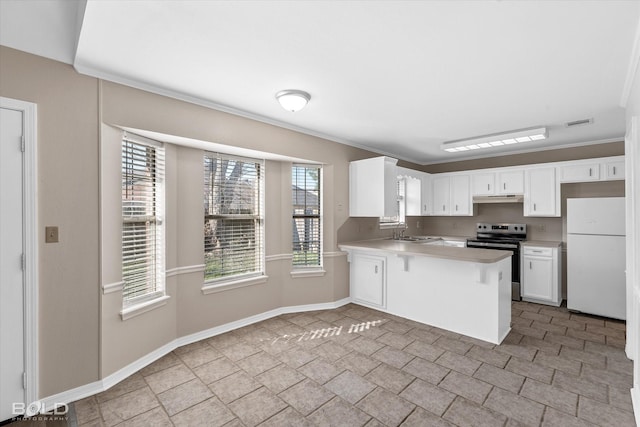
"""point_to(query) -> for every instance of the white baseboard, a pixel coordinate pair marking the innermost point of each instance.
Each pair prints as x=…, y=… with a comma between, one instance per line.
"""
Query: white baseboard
x=68, y=396
x=635, y=399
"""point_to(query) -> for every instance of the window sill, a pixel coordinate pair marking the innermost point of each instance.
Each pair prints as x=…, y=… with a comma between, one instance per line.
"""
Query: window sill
x=212, y=288
x=308, y=272
x=138, y=309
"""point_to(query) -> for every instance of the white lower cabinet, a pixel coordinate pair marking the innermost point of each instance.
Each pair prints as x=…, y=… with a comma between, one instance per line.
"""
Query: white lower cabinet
x=368, y=280
x=540, y=274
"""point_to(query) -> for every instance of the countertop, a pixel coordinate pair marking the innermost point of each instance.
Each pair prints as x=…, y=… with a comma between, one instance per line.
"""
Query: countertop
x=483, y=256
x=541, y=243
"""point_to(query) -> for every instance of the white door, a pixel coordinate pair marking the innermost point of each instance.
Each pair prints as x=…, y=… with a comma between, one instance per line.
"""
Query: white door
x=11, y=272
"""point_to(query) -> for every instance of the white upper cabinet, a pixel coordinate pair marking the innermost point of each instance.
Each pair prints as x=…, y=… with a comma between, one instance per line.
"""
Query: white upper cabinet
x=614, y=170
x=441, y=196
x=484, y=184
x=580, y=172
x=373, y=187
x=461, y=195
x=452, y=195
x=374, y=184
x=510, y=182
x=603, y=169
x=427, y=194
x=542, y=192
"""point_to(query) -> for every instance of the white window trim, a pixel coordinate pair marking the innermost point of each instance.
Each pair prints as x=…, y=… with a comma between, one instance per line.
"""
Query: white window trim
x=143, y=307
x=303, y=272
x=211, y=287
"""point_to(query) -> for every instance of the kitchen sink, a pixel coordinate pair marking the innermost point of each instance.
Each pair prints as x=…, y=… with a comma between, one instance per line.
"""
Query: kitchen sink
x=414, y=239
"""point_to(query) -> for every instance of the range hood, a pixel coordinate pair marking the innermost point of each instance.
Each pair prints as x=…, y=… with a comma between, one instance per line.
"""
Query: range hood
x=503, y=198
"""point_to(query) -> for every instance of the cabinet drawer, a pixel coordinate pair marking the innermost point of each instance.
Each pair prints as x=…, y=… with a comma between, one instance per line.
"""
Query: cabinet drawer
x=536, y=251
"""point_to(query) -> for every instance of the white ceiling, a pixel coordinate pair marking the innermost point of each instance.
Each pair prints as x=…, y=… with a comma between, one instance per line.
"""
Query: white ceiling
x=396, y=77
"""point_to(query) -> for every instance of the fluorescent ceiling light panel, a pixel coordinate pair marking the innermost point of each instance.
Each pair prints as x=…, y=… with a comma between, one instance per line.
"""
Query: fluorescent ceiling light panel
x=496, y=140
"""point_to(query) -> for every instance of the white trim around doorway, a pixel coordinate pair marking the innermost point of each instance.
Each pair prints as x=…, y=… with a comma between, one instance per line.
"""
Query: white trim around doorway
x=30, y=194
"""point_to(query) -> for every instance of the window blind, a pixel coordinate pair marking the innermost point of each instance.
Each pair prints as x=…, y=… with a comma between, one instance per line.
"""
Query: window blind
x=142, y=225
x=398, y=220
x=233, y=216
x=307, y=215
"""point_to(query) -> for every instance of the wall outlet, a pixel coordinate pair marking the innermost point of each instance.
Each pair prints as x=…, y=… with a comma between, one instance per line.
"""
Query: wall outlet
x=541, y=228
x=418, y=224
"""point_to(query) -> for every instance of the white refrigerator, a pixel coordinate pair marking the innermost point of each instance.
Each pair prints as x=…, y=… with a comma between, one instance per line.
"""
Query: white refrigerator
x=596, y=256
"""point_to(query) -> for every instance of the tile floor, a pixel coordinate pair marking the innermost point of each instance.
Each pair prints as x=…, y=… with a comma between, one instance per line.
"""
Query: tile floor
x=554, y=369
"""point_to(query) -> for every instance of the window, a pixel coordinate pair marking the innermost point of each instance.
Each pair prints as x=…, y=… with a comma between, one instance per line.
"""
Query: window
x=142, y=220
x=398, y=220
x=307, y=215
x=233, y=217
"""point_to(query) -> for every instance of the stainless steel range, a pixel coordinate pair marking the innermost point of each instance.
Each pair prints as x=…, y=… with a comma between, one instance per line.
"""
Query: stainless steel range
x=505, y=237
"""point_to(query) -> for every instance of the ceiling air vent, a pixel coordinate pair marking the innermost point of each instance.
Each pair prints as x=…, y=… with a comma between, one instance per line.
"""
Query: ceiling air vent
x=578, y=123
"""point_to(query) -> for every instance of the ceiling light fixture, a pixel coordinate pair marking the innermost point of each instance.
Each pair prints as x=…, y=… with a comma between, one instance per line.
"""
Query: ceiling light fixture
x=496, y=140
x=293, y=100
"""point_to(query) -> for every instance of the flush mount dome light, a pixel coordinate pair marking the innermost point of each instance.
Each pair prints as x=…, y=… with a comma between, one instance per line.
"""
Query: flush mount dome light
x=293, y=100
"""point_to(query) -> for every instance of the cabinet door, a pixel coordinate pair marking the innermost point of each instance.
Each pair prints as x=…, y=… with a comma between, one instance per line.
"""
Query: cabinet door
x=510, y=182
x=537, y=278
x=582, y=172
x=614, y=170
x=541, y=195
x=441, y=196
x=460, y=195
x=373, y=187
x=367, y=279
x=427, y=194
x=413, y=196
x=484, y=184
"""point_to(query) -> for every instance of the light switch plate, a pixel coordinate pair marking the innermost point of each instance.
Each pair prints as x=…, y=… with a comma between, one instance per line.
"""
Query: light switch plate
x=51, y=234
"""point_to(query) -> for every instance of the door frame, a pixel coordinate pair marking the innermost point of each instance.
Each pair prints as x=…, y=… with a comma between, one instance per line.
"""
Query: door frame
x=30, y=236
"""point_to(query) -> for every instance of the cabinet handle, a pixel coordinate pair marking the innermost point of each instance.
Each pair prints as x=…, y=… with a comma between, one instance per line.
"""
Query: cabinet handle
x=443, y=208
x=536, y=251
x=534, y=206
x=376, y=269
x=530, y=265
x=614, y=170
x=504, y=185
x=489, y=186
x=456, y=207
x=424, y=207
x=589, y=171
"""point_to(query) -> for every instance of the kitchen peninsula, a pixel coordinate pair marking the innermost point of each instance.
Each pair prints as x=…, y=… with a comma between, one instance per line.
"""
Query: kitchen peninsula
x=463, y=290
